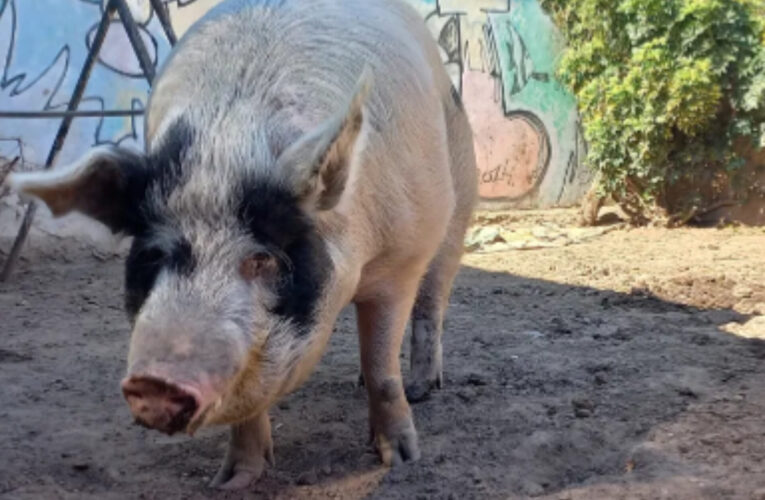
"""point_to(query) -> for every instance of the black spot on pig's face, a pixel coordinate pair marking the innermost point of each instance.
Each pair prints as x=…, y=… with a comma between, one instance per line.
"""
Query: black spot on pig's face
x=275, y=220
x=163, y=173
x=146, y=261
x=271, y=215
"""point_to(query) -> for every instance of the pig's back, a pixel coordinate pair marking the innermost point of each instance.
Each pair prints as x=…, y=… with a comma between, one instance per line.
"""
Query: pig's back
x=266, y=71
x=303, y=54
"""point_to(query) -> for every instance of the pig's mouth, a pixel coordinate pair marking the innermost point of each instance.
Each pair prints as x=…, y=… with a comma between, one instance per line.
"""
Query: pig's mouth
x=165, y=406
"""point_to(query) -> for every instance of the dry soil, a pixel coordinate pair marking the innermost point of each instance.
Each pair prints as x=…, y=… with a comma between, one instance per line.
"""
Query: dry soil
x=628, y=366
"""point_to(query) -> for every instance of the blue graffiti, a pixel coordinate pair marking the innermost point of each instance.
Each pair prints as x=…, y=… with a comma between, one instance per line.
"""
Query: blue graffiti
x=43, y=46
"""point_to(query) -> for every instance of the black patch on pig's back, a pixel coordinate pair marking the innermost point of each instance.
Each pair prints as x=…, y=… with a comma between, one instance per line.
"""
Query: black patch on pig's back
x=274, y=218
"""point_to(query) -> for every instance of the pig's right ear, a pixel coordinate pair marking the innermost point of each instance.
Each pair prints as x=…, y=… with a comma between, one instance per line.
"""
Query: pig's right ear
x=104, y=185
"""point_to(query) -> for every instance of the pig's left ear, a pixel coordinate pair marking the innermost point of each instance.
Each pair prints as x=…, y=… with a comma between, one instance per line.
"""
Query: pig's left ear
x=101, y=185
x=319, y=163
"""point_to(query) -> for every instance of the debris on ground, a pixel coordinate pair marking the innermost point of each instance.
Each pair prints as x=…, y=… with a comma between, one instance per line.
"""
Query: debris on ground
x=498, y=238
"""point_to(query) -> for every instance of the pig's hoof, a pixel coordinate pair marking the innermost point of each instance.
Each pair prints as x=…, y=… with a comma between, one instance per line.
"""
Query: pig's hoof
x=235, y=475
x=232, y=481
x=420, y=390
x=399, y=447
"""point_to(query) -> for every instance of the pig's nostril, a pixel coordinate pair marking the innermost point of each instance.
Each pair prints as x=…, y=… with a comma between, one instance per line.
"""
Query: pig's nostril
x=158, y=404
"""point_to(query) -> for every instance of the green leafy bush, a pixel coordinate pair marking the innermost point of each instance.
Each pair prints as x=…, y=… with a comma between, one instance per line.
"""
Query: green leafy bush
x=666, y=90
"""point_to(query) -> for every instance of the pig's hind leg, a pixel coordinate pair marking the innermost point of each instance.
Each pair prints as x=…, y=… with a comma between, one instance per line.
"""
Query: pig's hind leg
x=426, y=363
x=426, y=357
x=249, y=449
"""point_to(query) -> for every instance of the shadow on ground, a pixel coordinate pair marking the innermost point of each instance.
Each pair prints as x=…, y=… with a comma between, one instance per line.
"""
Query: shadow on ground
x=549, y=389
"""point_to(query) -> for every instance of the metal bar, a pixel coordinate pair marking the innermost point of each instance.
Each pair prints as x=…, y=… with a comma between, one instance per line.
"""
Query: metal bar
x=6, y=169
x=63, y=131
x=131, y=29
x=160, y=8
x=73, y=114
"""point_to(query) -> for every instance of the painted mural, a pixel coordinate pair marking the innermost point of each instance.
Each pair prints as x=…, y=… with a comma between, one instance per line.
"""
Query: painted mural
x=500, y=54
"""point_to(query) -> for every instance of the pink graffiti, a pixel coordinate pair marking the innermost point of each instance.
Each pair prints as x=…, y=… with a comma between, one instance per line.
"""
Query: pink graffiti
x=508, y=150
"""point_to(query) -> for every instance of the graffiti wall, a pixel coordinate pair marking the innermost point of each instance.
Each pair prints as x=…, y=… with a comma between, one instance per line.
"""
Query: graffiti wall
x=500, y=54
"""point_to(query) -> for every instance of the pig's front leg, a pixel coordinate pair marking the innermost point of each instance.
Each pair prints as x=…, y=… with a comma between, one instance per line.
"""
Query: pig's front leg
x=249, y=449
x=382, y=323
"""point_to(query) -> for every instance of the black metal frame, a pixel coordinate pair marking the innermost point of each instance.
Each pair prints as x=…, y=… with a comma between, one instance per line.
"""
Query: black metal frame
x=73, y=114
x=68, y=116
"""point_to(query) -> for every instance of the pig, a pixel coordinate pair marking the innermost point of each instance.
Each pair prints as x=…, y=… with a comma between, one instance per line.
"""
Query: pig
x=300, y=156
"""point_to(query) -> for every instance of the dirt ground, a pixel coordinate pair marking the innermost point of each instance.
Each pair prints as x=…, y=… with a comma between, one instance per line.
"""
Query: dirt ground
x=628, y=366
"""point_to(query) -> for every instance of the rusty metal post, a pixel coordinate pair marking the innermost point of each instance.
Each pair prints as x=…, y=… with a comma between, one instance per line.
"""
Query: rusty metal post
x=5, y=170
x=164, y=19
x=63, y=131
x=134, y=36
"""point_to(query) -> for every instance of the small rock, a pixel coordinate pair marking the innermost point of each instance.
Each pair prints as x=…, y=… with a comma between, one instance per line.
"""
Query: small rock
x=598, y=367
x=533, y=334
x=605, y=332
x=742, y=291
x=476, y=379
x=540, y=232
x=622, y=335
x=308, y=478
x=81, y=467
x=467, y=395
x=559, y=327
x=582, y=413
x=700, y=339
x=483, y=236
x=687, y=392
x=532, y=489
x=476, y=473
x=583, y=407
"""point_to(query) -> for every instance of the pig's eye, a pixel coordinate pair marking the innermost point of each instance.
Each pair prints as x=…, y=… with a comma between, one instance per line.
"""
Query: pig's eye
x=258, y=265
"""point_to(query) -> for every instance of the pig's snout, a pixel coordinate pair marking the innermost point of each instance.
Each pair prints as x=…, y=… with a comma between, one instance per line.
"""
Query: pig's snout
x=160, y=405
